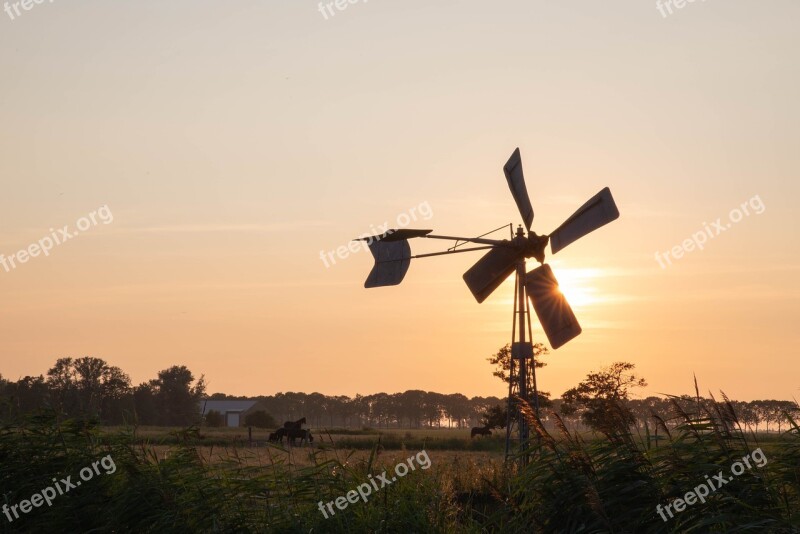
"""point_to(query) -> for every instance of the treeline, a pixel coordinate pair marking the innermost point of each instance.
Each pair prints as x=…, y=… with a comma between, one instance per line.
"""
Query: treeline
x=90, y=387
x=757, y=415
x=417, y=409
x=410, y=409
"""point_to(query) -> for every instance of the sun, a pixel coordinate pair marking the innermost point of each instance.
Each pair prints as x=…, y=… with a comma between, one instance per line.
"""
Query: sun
x=577, y=285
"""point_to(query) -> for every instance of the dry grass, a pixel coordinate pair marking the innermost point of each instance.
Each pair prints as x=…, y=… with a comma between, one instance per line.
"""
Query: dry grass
x=472, y=464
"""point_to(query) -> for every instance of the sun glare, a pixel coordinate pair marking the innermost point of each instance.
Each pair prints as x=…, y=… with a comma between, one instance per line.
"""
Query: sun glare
x=577, y=285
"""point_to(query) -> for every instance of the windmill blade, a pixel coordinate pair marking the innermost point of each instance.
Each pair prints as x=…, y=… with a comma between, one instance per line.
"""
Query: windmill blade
x=392, y=259
x=491, y=270
x=516, y=182
x=397, y=235
x=552, y=308
x=598, y=211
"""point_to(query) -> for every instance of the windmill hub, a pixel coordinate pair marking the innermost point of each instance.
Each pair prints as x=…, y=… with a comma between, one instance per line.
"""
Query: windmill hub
x=531, y=246
x=534, y=245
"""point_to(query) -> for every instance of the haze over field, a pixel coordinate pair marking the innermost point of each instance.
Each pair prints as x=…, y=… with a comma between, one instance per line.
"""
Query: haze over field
x=232, y=144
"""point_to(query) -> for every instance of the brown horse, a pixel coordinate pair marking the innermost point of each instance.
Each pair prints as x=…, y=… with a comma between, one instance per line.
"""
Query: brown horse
x=277, y=436
x=294, y=424
x=303, y=435
x=480, y=431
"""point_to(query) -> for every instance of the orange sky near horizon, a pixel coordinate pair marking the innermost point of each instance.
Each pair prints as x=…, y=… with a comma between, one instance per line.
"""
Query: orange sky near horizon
x=233, y=146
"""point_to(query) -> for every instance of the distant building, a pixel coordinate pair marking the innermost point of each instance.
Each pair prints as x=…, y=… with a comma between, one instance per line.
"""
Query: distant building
x=233, y=411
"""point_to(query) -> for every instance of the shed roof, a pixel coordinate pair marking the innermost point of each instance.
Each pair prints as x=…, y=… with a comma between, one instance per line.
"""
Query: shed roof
x=223, y=406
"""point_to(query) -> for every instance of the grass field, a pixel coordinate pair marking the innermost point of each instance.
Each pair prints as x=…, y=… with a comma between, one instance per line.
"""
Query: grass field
x=212, y=480
x=394, y=439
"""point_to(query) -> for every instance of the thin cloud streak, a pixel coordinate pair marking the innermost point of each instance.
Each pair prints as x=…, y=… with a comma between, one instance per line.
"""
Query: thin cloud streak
x=215, y=228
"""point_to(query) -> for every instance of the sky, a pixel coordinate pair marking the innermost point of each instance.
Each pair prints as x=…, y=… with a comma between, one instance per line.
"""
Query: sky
x=210, y=154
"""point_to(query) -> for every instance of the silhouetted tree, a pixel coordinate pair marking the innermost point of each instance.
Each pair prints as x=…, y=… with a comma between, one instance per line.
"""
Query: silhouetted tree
x=409, y=407
x=495, y=417
x=144, y=401
x=457, y=408
x=502, y=361
x=177, y=396
x=26, y=395
x=89, y=387
x=601, y=398
x=480, y=405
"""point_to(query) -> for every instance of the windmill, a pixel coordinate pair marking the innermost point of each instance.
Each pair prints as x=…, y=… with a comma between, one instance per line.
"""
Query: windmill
x=392, y=254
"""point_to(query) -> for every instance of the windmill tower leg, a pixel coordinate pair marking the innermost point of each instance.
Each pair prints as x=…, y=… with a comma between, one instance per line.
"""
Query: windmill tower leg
x=532, y=382
x=519, y=379
x=523, y=364
x=510, y=404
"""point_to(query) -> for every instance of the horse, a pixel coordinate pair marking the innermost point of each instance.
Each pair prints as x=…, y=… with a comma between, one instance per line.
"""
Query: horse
x=277, y=436
x=297, y=433
x=480, y=431
x=294, y=424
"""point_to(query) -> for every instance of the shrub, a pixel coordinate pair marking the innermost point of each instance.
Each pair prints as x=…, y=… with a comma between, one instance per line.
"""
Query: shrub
x=260, y=419
x=214, y=419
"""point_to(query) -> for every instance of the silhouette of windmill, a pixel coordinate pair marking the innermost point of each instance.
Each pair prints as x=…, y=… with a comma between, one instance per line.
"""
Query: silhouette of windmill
x=392, y=255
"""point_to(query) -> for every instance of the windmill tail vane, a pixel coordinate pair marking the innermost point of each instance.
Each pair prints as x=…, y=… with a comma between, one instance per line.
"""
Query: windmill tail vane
x=392, y=254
